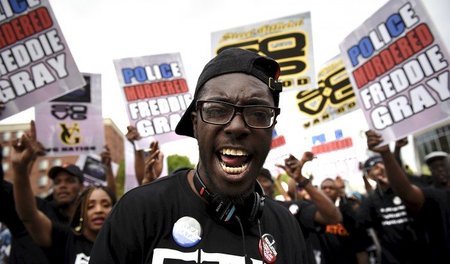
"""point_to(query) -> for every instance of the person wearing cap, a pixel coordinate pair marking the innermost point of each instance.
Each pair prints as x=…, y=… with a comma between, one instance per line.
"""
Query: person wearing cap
x=49, y=225
x=88, y=211
x=67, y=184
x=59, y=209
x=438, y=163
x=216, y=212
x=402, y=232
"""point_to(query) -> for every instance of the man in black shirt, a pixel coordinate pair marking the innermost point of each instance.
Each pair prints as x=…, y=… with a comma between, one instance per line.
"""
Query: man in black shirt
x=342, y=242
x=437, y=162
x=424, y=237
x=215, y=213
x=67, y=183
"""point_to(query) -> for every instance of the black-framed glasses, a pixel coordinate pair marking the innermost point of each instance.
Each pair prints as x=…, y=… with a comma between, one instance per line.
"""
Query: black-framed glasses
x=221, y=113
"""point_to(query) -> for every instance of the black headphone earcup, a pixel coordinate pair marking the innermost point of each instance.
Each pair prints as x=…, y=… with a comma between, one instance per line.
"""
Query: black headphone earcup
x=221, y=210
x=255, y=207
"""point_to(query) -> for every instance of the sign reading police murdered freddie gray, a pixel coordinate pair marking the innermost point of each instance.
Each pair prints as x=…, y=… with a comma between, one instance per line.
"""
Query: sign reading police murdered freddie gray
x=156, y=95
x=72, y=124
x=399, y=70
x=35, y=62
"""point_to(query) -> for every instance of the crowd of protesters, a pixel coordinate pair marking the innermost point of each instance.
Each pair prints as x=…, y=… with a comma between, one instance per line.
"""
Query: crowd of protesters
x=406, y=220
x=400, y=219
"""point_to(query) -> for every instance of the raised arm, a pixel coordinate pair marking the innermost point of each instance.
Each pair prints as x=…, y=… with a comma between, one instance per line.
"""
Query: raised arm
x=23, y=155
x=106, y=161
x=409, y=193
x=280, y=188
x=139, y=162
x=327, y=212
x=367, y=186
x=153, y=163
x=399, y=144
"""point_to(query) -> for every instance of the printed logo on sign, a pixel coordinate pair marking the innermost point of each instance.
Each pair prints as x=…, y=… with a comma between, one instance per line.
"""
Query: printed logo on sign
x=70, y=134
x=334, y=96
x=75, y=112
x=287, y=48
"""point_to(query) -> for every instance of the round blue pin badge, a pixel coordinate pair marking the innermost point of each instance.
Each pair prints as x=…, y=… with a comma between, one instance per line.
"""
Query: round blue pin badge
x=187, y=232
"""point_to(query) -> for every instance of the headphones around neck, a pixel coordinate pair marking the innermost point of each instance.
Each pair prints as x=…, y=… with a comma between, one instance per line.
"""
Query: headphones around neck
x=225, y=211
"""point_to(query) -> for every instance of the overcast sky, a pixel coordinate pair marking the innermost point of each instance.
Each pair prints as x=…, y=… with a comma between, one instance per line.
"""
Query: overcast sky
x=99, y=31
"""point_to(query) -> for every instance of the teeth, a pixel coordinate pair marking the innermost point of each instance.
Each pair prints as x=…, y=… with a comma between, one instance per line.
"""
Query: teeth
x=233, y=152
x=233, y=170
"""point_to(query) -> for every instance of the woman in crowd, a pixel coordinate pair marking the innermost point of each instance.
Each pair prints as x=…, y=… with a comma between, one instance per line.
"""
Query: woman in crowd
x=63, y=244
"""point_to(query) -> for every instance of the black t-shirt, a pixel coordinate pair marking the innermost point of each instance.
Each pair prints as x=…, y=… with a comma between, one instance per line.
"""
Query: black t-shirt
x=23, y=248
x=402, y=239
x=435, y=216
x=140, y=227
x=339, y=243
x=67, y=247
x=304, y=212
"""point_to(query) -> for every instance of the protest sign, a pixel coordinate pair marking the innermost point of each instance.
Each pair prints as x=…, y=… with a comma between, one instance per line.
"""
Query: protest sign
x=288, y=40
x=333, y=97
x=94, y=170
x=156, y=95
x=73, y=123
x=339, y=148
x=36, y=64
x=399, y=70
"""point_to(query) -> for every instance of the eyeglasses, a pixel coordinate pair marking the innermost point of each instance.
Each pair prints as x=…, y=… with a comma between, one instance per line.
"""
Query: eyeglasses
x=221, y=113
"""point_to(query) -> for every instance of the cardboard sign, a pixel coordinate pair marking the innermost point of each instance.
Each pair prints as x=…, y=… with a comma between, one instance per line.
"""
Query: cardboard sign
x=36, y=64
x=73, y=124
x=288, y=40
x=399, y=70
x=333, y=97
x=156, y=95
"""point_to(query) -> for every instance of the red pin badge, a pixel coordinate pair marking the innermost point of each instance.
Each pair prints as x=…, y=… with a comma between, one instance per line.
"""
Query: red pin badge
x=267, y=248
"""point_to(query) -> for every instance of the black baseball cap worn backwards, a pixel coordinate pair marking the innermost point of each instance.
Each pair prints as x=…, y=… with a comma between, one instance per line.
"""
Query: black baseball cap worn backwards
x=234, y=60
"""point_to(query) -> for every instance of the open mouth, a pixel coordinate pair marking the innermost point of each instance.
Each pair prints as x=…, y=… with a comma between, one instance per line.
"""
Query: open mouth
x=98, y=220
x=63, y=194
x=233, y=161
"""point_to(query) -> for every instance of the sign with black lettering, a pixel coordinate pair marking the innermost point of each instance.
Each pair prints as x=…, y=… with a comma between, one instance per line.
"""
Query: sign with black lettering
x=156, y=95
x=72, y=124
x=288, y=40
x=35, y=61
x=399, y=70
x=332, y=98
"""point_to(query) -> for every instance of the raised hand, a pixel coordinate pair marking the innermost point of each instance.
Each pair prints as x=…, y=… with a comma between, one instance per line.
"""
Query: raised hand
x=373, y=141
x=153, y=163
x=132, y=134
x=293, y=166
x=25, y=150
x=106, y=156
